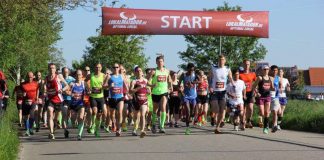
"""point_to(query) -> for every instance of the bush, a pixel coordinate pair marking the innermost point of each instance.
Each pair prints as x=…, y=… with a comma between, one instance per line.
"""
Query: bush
x=9, y=140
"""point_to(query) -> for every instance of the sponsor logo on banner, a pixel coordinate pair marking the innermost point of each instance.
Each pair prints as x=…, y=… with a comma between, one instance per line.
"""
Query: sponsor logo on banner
x=245, y=24
x=126, y=21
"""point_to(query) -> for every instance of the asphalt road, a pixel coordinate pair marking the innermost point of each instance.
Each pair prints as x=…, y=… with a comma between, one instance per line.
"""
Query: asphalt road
x=202, y=144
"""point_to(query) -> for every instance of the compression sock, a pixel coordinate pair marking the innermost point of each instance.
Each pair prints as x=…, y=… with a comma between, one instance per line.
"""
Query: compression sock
x=153, y=118
x=80, y=128
x=162, y=119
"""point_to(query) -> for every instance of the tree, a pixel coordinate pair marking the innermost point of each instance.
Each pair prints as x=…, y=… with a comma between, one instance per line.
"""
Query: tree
x=204, y=50
x=107, y=50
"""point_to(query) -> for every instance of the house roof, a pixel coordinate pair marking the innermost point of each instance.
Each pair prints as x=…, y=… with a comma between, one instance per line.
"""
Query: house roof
x=316, y=76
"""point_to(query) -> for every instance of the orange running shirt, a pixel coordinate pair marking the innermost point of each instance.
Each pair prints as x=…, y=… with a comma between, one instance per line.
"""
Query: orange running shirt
x=248, y=79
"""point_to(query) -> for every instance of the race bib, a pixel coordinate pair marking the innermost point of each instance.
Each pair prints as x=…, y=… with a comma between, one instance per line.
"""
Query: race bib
x=248, y=85
x=161, y=78
x=220, y=85
x=116, y=90
x=20, y=102
x=51, y=92
x=96, y=90
x=29, y=102
x=141, y=97
x=175, y=93
x=76, y=96
x=266, y=86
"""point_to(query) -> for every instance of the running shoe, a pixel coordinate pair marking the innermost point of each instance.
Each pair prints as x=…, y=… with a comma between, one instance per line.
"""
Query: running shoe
x=249, y=125
x=153, y=129
x=143, y=134
x=266, y=130
x=134, y=133
x=51, y=136
x=274, y=129
x=222, y=124
x=118, y=133
x=79, y=138
x=278, y=127
x=177, y=125
x=260, y=125
x=37, y=129
x=162, y=130
x=217, y=131
x=20, y=125
x=27, y=133
x=31, y=132
x=66, y=133
x=188, y=131
x=97, y=134
x=124, y=127
x=107, y=129
x=92, y=129
x=236, y=128
x=212, y=122
x=149, y=127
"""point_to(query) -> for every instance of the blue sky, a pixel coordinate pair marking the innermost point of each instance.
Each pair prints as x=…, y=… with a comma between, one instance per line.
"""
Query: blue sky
x=296, y=30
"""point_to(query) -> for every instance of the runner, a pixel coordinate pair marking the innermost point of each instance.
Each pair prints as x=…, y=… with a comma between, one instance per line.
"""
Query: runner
x=264, y=84
x=236, y=92
x=140, y=91
x=128, y=100
x=189, y=81
x=54, y=90
x=161, y=86
x=3, y=88
x=175, y=99
x=217, y=87
x=249, y=78
x=77, y=104
x=67, y=101
x=86, y=100
x=106, y=115
x=19, y=99
x=5, y=100
x=275, y=105
x=149, y=73
x=116, y=85
x=284, y=86
x=97, y=98
x=29, y=107
x=42, y=113
x=202, y=98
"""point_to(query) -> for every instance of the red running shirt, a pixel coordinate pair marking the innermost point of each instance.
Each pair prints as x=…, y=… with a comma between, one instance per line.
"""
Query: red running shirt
x=31, y=90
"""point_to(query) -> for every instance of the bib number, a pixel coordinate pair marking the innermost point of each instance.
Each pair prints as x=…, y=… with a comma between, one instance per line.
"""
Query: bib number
x=220, y=85
x=116, y=90
x=161, y=78
x=96, y=90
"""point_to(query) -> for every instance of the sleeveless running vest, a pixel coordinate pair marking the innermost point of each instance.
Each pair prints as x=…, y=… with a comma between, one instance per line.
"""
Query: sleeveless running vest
x=53, y=86
x=117, y=90
x=96, y=83
x=77, y=94
x=264, y=87
x=141, y=93
x=160, y=79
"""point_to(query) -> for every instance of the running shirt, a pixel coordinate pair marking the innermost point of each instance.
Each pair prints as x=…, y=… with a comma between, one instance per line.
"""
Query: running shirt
x=41, y=88
x=77, y=94
x=220, y=76
x=283, y=85
x=31, y=89
x=276, y=82
x=53, y=86
x=190, y=89
x=142, y=92
x=96, y=83
x=248, y=79
x=2, y=86
x=160, y=79
x=203, y=86
x=236, y=89
x=117, y=90
x=176, y=90
x=264, y=87
x=68, y=80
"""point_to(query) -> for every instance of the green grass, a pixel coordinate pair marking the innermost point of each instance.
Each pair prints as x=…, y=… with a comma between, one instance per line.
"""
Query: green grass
x=9, y=141
x=301, y=115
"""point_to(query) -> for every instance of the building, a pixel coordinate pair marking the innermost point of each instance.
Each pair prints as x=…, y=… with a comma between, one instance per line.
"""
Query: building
x=314, y=81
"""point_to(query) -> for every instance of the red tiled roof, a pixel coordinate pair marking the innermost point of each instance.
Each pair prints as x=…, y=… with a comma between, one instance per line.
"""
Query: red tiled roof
x=316, y=76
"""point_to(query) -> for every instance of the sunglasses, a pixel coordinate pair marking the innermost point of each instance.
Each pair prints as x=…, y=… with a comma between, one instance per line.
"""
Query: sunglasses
x=115, y=67
x=87, y=70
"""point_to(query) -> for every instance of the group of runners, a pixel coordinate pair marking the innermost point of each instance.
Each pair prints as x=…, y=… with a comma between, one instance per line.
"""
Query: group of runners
x=150, y=99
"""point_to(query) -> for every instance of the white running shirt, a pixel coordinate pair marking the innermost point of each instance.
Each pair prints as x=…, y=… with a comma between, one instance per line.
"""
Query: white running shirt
x=219, y=79
x=236, y=89
x=285, y=83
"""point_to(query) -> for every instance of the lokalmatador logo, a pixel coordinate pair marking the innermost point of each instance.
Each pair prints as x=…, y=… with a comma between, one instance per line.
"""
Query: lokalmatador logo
x=244, y=23
x=126, y=21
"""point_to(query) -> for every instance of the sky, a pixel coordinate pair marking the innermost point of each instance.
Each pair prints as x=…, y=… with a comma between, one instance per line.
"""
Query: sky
x=296, y=30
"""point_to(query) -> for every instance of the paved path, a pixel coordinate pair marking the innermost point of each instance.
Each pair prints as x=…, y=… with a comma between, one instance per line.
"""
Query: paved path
x=202, y=144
